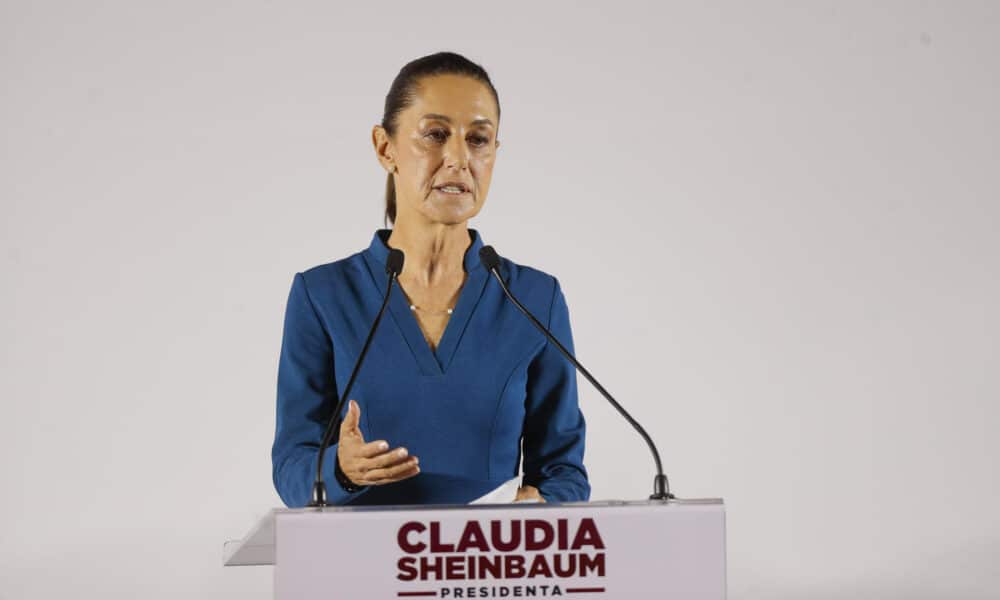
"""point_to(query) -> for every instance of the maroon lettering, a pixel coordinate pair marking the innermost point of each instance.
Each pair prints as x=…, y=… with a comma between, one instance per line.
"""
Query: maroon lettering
x=537, y=526
x=587, y=535
x=592, y=564
x=436, y=545
x=407, y=570
x=472, y=537
x=498, y=541
x=454, y=567
x=539, y=566
x=515, y=566
x=402, y=538
x=568, y=570
x=430, y=566
x=491, y=565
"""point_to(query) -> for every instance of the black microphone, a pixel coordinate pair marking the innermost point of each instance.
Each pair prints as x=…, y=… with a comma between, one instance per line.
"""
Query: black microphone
x=393, y=267
x=661, y=486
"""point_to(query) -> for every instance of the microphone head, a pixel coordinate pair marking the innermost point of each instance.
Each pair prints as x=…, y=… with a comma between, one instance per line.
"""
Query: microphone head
x=394, y=263
x=489, y=257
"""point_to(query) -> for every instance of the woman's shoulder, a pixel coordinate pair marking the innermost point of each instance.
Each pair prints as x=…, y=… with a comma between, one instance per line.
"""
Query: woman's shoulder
x=530, y=273
x=528, y=279
x=334, y=272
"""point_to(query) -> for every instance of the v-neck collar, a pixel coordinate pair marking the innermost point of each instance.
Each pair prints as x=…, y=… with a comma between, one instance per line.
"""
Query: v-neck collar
x=430, y=362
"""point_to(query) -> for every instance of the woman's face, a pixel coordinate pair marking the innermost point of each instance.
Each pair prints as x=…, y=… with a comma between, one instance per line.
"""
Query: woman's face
x=447, y=134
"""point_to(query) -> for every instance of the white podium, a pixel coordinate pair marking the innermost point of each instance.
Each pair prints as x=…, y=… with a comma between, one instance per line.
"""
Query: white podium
x=627, y=550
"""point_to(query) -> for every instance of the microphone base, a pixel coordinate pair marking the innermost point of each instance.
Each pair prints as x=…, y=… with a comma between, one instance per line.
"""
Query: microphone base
x=318, y=495
x=661, y=489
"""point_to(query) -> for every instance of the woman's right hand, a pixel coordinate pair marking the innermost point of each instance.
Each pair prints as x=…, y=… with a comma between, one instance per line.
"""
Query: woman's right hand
x=372, y=463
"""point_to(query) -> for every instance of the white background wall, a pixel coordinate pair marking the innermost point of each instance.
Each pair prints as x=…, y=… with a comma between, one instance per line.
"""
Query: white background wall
x=775, y=224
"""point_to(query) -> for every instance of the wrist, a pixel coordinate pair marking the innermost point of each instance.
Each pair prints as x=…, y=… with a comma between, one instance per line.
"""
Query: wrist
x=345, y=481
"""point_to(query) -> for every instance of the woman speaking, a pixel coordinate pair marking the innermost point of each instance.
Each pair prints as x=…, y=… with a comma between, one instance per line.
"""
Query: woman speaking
x=457, y=385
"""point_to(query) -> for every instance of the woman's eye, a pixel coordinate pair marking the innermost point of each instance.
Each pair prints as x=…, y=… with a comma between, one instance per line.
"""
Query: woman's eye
x=437, y=134
x=440, y=136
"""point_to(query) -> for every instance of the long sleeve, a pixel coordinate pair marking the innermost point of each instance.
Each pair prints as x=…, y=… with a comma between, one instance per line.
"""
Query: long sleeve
x=554, y=427
x=306, y=397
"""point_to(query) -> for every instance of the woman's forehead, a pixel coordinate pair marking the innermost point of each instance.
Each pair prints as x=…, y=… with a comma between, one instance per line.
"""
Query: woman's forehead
x=454, y=99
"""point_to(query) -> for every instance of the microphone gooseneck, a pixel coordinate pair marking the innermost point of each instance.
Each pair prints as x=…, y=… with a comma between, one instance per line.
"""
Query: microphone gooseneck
x=661, y=486
x=393, y=267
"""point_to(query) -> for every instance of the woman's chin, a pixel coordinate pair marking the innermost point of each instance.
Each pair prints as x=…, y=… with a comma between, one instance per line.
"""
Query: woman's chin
x=452, y=211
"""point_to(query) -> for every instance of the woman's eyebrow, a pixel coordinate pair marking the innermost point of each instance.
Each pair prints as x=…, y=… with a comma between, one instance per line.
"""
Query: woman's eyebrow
x=447, y=119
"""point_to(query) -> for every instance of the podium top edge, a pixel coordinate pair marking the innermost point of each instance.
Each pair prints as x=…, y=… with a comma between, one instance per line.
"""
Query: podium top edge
x=677, y=502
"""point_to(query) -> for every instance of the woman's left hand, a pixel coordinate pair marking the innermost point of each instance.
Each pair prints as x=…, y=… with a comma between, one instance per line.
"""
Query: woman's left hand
x=528, y=492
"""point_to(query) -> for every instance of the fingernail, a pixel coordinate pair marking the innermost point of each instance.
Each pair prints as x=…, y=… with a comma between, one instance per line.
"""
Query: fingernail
x=402, y=451
x=383, y=446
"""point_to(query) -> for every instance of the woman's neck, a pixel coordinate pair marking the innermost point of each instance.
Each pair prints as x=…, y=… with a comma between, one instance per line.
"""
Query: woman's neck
x=434, y=254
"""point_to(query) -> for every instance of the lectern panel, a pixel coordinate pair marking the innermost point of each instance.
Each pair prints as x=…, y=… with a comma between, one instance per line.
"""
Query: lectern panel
x=581, y=550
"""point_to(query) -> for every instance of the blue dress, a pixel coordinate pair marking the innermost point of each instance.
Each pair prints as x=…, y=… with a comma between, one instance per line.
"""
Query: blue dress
x=493, y=384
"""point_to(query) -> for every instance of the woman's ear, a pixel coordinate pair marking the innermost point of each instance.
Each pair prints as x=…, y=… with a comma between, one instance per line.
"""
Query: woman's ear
x=383, y=148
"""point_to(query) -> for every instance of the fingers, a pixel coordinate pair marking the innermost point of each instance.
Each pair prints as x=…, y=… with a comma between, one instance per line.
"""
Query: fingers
x=397, y=472
x=386, y=459
x=528, y=492
x=384, y=465
x=371, y=449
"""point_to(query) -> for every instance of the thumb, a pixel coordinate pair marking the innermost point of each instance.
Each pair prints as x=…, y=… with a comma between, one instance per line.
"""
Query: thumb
x=352, y=418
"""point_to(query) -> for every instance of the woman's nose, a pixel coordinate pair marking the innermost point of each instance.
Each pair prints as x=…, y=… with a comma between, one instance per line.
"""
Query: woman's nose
x=456, y=153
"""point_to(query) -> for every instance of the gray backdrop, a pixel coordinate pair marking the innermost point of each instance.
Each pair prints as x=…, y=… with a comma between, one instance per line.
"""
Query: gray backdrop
x=775, y=224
